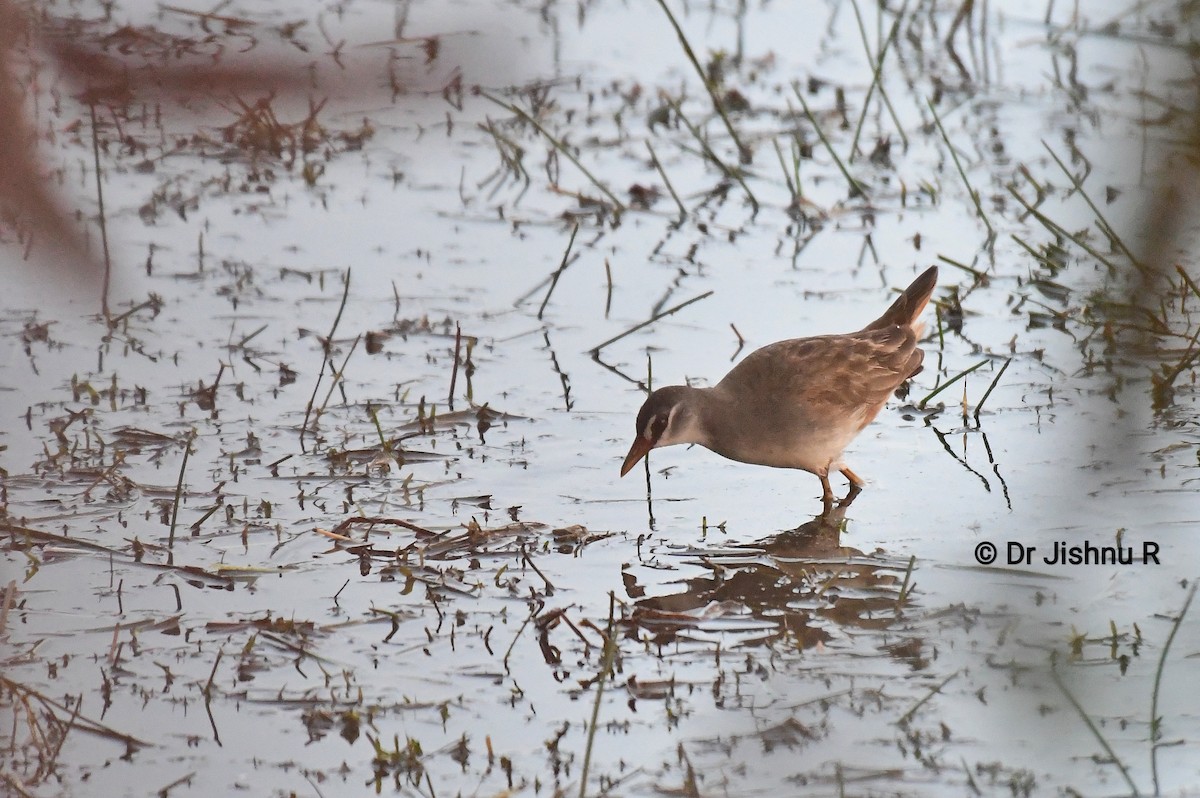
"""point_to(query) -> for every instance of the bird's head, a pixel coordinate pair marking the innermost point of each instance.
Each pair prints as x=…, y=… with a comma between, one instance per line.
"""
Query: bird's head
x=667, y=417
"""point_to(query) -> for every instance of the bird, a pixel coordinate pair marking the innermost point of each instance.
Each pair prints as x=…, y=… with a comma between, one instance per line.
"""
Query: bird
x=796, y=403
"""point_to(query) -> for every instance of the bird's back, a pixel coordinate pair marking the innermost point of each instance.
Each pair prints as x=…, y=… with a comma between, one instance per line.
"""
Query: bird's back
x=803, y=400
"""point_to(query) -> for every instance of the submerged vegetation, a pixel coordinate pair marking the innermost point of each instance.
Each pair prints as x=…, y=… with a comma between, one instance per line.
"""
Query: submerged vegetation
x=316, y=501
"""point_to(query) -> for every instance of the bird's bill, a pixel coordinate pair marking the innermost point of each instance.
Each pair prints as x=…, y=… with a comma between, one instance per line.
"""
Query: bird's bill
x=641, y=446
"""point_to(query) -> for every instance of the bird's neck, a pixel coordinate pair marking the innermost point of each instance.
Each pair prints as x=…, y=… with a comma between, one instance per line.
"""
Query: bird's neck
x=705, y=408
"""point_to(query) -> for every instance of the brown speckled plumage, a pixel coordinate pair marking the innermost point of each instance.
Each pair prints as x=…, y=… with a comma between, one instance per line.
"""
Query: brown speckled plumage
x=795, y=403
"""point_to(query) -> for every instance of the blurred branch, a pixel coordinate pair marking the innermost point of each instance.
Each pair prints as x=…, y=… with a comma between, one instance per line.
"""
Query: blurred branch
x=99, y=79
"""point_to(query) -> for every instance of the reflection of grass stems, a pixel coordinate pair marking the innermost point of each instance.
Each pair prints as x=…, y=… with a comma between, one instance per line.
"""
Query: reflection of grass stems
x=326, y=346
x=887, y=43
x=991, y=387
x=187, y=449
x=558, y=145
x=1162, y=661
x=595, y=350
x=606, y=666
x=856, y=188
x=1105, y=227
x=743, y=152
x=1112, y=755
x=1058, y=230
x=961, y=172
x=735, y=174
x=921, y=404
x=566, y=261
x=658, y=165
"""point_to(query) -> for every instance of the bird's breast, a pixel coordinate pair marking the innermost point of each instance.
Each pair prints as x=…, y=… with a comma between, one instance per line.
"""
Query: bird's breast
x=784, y=440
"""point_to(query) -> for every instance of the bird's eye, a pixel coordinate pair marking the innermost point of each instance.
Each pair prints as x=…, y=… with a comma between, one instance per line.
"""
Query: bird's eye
x=657, y=427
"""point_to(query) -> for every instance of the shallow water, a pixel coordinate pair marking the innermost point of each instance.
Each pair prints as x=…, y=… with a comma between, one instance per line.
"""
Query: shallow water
x=266, y=647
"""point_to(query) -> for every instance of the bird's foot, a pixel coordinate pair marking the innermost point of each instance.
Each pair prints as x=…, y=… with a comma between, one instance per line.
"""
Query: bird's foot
x=850, y=496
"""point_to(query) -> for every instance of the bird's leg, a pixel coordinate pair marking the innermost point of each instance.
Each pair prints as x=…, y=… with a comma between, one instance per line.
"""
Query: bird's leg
x=855, y=480
x=856, y=486
x=826, y=494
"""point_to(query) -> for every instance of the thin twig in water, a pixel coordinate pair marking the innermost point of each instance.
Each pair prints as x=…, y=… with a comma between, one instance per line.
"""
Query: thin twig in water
x=529, y=561
x=1105, y=227
x=1033, y=253
x=187, y=449
x=566, y=261
x=608, y=279
x=458, y=356
x=595, y=350
x=978, y=275
x=934, y=691
x=384, y=443
x=558, y=145
x=904, y=588
x=961, y=171
x=606, y=666
x=242, y=343
x=1112, y=755
x=991, y=387
x=1056, y=229
x=856, y=188
x=212, y=675
x=887, y=43
x=743, y=151
x=326, y=346
x=1155, y=732
x=921, y=404
x=80, y=722
x=338, y=375
x=732, y=174
x=6, y=602
x=793, y=188
x=103, y=218
x=516, y=637
x=1188, y=280
x=658, y=165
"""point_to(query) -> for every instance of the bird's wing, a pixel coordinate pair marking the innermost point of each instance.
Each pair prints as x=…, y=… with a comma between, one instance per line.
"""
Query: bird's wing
x=858, y=370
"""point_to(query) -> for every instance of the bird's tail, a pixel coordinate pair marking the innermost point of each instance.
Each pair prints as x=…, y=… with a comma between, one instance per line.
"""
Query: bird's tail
x=906, y=310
